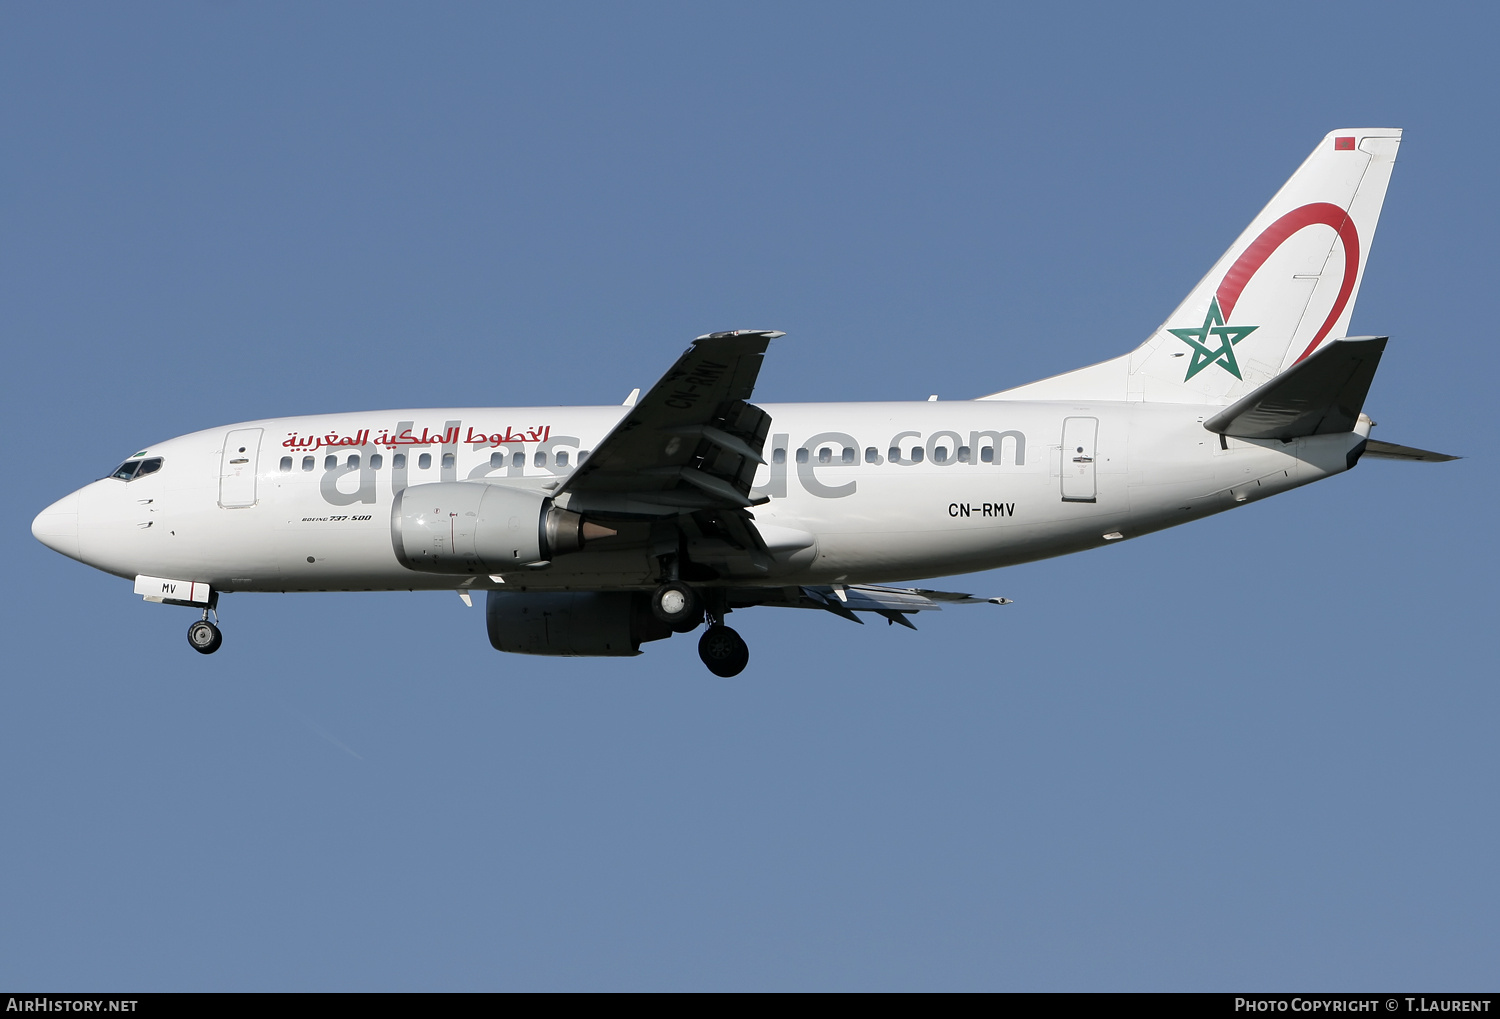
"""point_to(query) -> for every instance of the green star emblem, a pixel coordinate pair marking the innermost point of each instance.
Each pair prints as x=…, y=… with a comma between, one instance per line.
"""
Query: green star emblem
x=1213, y=327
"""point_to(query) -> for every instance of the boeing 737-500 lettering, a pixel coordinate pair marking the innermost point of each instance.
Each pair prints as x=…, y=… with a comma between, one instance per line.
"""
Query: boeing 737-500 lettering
x=593, y=530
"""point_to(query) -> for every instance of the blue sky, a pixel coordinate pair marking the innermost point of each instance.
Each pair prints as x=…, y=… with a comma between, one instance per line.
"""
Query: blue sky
x=1255, y=752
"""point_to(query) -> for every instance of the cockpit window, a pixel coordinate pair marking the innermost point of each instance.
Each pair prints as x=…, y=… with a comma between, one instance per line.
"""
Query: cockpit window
x=132, y=469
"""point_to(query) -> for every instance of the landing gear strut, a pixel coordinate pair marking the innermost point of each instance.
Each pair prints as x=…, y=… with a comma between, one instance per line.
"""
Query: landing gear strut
x=723, y=651
x=204, y=637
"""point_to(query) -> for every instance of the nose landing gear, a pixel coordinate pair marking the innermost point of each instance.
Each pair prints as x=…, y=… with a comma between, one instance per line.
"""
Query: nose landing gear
x=204, y=637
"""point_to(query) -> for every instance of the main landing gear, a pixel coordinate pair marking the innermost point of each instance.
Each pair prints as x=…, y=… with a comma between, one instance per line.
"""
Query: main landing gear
x=684, y=609
x=723, y=651
x=677, y=605
x=204, y=637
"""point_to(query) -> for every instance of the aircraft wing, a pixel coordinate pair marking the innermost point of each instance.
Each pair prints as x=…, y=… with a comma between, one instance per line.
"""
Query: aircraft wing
x=691, y=443
x=894, y=603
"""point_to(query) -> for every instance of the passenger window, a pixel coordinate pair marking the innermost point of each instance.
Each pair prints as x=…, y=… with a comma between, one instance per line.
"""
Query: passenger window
x=963, y=454
x=583, y=455
x=987, y=454
x=848, y=454
x=286, y=465
x=939, y=454
x=447, y=461
x=540, y=459
x=398, y=462
x=424, y=462
x=497, y=460
x=895, y=454
x=916, y=454
x=519, y=460
x=308, y=463
x=353, y=460
x=825, y=455
x=330, y=462
x=149, y=467
x=778, y=456
x=376, y=461
x=871, y=454
x=802, y=456
x=562, y=458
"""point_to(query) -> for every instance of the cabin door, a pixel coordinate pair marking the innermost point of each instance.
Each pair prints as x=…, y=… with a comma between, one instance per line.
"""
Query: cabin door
x=237, y=468
x=1079, y=435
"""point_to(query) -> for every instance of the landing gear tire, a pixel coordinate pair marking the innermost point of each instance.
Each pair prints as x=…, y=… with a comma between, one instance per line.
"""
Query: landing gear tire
x=204, y=637
x=678, y=606
x=723, y=651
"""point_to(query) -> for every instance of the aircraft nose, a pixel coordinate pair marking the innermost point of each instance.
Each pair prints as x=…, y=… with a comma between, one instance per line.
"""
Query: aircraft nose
x=57, y=526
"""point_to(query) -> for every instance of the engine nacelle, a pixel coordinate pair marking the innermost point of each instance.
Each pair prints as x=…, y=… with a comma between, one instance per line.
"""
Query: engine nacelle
x=571, y=623
x=466, y=527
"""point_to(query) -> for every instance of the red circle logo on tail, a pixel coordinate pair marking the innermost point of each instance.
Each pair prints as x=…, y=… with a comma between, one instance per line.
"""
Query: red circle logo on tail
x=1272, y=237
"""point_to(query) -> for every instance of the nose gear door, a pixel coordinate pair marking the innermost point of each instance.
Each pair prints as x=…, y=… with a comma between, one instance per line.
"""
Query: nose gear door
x=1079, y=435
x=237, y=468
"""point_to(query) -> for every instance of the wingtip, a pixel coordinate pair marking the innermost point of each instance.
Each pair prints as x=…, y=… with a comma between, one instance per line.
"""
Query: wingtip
x=770, y=334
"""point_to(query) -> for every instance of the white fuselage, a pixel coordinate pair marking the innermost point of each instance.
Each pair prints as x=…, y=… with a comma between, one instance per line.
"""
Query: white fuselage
x=974, y=486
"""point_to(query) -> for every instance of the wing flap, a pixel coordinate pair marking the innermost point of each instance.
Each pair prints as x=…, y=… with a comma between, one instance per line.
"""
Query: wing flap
x=845, y=600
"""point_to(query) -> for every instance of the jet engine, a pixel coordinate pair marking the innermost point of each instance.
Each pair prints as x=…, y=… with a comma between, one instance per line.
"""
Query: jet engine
x=572, y=623
x=466, y=527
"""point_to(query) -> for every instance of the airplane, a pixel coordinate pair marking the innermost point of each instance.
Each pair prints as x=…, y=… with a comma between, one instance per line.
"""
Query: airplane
x=593, y=530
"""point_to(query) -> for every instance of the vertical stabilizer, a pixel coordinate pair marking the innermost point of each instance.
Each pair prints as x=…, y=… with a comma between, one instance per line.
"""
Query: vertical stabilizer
x=1282, y=290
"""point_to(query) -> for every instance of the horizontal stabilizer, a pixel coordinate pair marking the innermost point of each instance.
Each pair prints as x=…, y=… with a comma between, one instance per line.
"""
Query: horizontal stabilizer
x=1320, y=395
x=1391, y=451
